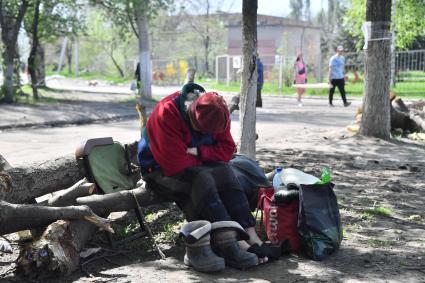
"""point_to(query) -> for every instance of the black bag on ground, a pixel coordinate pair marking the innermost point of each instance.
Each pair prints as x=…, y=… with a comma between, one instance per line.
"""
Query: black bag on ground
x=319, y=222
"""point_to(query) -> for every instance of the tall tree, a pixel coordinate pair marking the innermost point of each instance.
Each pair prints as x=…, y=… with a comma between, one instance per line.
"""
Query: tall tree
x=408, y=21
x=11, y=16
x=376, y=104
x=247, y=112
x=296, y=7
x=307, y=11
x=46, y=21
x=33, y=53
x=135, y=15
x=206, y=25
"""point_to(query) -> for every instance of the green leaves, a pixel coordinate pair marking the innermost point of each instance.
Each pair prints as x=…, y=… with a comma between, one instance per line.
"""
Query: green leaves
x=408, y=18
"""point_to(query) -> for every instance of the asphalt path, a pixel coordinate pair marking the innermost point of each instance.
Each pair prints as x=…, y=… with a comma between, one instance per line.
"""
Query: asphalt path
x=280, y=124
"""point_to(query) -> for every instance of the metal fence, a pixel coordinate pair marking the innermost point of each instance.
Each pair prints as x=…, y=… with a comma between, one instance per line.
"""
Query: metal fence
x=277, y=69
x=409, y=65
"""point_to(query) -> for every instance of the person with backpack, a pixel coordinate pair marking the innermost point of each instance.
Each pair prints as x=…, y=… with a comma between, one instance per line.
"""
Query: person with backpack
x=184, y=153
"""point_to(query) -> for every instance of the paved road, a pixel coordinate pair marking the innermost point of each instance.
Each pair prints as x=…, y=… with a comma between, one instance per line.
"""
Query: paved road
x=280, y=123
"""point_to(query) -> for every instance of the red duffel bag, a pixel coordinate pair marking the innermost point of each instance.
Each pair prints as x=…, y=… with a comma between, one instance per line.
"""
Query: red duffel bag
x=280, y=220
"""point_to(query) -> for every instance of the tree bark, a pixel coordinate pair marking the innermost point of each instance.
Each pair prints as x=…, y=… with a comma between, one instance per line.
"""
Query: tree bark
x=190, y=76
x=120, y=201
x=120, y=71
x=145, y=90
x=10, y=25
x=376, y=120
x=249, y=79
x=40, y=67
x=32, y=59
x=57, y=250
x=23, y=184
x=69, y=56
x=17, y=217
x=69, y=196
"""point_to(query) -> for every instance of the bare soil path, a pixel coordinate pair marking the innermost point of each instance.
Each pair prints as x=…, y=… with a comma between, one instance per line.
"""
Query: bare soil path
x=380, y=188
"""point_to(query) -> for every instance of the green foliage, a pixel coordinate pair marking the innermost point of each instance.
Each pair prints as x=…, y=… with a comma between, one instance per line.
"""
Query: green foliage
x=57, y=18
x=381, y=211
x=123, y=12
x=409, y=23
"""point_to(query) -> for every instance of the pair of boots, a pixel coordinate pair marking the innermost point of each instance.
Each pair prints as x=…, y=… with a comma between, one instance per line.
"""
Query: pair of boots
x=210, y=247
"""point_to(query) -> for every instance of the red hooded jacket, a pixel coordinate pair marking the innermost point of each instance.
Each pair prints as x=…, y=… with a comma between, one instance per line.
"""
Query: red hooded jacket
x=170, y=136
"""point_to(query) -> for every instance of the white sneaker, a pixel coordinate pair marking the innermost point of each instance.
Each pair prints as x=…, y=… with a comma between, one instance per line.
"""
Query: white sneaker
x=300, y=104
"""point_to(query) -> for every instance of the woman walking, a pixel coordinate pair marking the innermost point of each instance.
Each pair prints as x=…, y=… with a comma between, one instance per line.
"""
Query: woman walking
x=300, y=76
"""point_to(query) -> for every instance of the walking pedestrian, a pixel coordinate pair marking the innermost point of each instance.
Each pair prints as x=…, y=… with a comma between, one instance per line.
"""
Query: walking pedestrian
x=260, y=81
x=336, y=76
x=300, y=76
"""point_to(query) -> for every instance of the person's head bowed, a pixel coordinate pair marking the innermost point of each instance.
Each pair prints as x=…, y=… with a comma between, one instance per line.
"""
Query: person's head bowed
x=209, y=113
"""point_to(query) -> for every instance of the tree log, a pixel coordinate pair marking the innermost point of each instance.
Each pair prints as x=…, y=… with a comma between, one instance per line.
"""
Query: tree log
x=406, y=118
x=4, y=165
x=57, y=250
x=24, y=184
x=68, y=196
x=120, y=201
x=17, y=217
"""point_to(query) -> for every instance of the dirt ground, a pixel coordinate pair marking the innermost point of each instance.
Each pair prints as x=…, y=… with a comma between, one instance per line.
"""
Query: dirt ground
x=379, y=184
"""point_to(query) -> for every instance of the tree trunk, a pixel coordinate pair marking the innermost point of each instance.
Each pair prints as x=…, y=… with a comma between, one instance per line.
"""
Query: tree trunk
x=8, y=75
x=69, y=56
x=69, y=196
x=10, y=25
x=190, y=76
x=145, y=90
x=120, y=71
x=393, y=44
x=17, y=217
x=120, y=201
x=32, y=59
x=23, y=184
x=249, y=79
x=376, y=116
x=57, y=250
x=40, y=66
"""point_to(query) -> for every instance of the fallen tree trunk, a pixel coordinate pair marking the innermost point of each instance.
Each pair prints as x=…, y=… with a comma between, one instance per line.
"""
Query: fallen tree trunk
x=68, y=196
x=406, y=118
x=56, y=251
x=17, y=217
x=24, y=184
x=120, y=201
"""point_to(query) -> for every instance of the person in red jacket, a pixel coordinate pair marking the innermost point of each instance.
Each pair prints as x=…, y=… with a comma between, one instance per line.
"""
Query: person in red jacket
x=184, y=154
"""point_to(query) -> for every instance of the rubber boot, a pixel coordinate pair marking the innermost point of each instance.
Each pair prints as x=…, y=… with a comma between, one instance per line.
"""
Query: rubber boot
x=225, y=244
x=199, y=254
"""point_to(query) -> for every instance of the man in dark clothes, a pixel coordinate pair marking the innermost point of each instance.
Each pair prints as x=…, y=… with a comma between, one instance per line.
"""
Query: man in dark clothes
x=184, y=155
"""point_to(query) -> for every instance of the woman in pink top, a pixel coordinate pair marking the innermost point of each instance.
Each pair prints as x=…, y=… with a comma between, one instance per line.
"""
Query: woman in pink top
x=300, y=76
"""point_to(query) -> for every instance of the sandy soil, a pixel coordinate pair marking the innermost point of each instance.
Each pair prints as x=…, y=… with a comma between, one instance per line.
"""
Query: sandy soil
x=380, y=187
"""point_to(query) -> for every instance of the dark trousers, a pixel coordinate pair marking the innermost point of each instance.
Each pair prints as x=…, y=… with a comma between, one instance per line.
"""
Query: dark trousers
x=340, y=83
x=210, y=193
x=259, y=102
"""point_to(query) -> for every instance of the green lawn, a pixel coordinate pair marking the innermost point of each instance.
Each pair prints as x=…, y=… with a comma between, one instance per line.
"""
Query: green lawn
x=410, y=89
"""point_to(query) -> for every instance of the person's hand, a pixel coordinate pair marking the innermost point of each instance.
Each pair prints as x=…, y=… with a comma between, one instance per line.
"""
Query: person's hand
x=192, y=151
